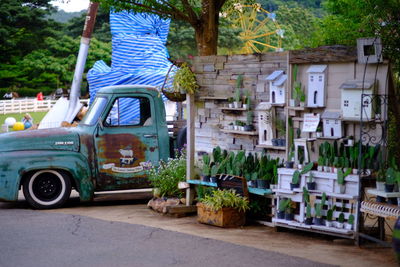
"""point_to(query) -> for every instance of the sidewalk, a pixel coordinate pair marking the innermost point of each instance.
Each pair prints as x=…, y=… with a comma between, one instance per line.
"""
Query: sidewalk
x=338, y=252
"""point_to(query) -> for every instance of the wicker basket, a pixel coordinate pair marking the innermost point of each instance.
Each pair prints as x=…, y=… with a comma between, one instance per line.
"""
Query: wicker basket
x=174, y=96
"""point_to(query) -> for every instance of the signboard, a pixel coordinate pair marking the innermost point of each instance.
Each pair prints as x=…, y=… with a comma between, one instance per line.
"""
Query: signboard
x=310, y=122
x=239, y=184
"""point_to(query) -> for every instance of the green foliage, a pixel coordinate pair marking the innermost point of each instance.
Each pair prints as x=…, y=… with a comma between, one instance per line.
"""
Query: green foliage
x=168, y=174
x=185, y=80
x=237, y=95
x=296, y=177
x=283, y=203
x=341, y=217
x=206, y=165
x=392, y=176
x=249, y=118
x=310, y=177
x=225, y=199
x=203, y=191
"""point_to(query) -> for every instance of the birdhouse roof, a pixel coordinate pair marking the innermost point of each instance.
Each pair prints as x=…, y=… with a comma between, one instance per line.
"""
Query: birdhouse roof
x=317, y=68
x=357, y=84
x=263, y=106
x=275, y=75
x=331, y=115
x=280, y=81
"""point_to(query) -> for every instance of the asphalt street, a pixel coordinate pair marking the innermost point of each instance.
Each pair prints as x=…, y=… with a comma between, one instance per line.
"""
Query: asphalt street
x=35, y=238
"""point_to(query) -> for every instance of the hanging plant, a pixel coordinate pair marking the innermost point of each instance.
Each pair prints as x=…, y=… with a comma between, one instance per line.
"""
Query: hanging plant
x=185, y=80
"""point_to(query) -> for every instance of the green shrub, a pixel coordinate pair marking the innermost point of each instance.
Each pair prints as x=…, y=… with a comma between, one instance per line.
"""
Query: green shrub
x=168, y=174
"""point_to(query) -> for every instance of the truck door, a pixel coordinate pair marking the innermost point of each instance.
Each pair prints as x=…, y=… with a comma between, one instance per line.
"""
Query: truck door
x=127, y=144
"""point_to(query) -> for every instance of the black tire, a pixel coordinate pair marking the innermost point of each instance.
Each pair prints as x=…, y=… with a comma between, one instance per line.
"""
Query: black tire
x=181, y=139
x=47, y=189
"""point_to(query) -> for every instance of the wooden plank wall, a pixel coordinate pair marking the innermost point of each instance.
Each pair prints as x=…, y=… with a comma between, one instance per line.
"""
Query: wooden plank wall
x=217, y=76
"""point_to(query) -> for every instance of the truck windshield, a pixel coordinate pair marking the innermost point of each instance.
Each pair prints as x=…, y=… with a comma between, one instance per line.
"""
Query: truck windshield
x=95, y=111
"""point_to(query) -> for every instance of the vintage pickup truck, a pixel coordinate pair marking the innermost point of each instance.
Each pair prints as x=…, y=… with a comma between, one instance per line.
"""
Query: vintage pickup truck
x=108, y=150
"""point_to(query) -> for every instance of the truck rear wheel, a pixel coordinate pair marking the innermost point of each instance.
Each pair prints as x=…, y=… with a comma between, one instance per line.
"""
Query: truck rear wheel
x=47, y=189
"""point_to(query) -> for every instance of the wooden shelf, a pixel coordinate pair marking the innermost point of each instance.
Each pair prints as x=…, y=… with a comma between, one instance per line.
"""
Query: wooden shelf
x=329, y=138
x=259, y=191
x=240, y=132
x=296, y=108
x=272, y=147
x=213, y=98
x=233, y=109
x=278, y=105
x=199, y=182
x=357, y=120
x=383, y=193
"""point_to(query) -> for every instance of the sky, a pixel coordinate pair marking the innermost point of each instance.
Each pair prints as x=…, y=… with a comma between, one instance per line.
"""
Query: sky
x=71, y=5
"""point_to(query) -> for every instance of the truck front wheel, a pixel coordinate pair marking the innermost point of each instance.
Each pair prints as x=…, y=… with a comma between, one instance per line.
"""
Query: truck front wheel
x=47, y=189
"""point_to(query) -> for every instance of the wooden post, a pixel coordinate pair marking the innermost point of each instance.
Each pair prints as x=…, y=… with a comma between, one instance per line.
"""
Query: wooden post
x=190, y=145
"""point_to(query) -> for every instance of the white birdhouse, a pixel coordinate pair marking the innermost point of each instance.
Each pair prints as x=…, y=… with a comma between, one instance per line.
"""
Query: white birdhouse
x=333, y=126
x=277, y=81
x=352, y=91
x=266, y=128
x=317, y=81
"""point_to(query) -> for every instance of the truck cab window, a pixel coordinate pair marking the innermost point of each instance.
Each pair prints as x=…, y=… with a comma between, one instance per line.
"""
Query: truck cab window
x=129, y=111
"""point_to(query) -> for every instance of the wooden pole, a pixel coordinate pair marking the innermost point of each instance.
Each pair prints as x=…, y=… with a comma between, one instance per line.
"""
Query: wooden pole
x=190, y=145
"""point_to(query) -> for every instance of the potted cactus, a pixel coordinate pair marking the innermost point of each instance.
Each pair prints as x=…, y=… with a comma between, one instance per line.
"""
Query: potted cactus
x=329, y=216
x=306, y=196
x=340, y=221
x=321, y=162
x=297, y=174
x=206, y=168
x=249, y=119
x=318, y=210
x=230, y=102
x=390, y=179
x=237, y=103
x=282, y=208
x=340, y=187
x=350, y=223
x=290, y=207
x=311, y=185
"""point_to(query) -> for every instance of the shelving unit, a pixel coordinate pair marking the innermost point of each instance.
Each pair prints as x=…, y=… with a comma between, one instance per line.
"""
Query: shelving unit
x=325, y=183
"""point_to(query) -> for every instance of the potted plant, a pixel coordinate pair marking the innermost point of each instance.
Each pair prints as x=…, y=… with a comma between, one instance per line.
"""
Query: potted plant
x=281, y=128
x=290, y=207
x=380, y=180
x=318, y=134
x=237, y=125
x=350, y=223
x=282, y=208
x=231, y=126
x=340, y=221
x=336, y=164
x=237, y=103
x=390, y=179
x=318, y=210
x=249, y=125
x=340, y=187
x=206, y=168
x=311, y=183
x=320, y=164
x=223, y=208
x=214, y=172
x=230, y=102
x=185, y=80
x=306, y=196
x=329, y=216
x=297, y=174
x=247, y=100
x=254, y=179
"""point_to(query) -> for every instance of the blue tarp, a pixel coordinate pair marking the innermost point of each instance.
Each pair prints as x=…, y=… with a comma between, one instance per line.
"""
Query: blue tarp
x=139, y=56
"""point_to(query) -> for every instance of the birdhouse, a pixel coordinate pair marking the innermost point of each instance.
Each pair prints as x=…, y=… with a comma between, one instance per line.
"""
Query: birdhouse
x=277, y=81
x=352, y=92
x=333, y=126
x=317, y=81
x=369, y=50
x=266, y=129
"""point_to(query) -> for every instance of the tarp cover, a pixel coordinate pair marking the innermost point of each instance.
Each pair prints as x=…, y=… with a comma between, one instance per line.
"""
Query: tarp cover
x=139, y=56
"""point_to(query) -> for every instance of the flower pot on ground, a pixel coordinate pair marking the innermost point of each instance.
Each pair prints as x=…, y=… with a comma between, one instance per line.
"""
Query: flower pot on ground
x=224, y=208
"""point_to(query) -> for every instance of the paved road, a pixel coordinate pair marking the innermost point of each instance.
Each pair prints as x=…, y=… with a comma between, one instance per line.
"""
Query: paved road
x=34, y=238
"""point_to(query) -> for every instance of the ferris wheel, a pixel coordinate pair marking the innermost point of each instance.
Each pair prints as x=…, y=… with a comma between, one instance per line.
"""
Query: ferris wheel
x=259, y=29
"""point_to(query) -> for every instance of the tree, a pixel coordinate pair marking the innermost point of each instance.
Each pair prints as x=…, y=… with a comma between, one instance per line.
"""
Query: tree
x=23, y=26
x=202, y=15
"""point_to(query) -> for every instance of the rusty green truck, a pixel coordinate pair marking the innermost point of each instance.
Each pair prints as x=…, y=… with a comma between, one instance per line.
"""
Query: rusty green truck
x=105, y=152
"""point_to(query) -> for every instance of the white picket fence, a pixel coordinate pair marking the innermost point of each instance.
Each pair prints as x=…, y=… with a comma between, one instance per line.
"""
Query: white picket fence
x=27, y=105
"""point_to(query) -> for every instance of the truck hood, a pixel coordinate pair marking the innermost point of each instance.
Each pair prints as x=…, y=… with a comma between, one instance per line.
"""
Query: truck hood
x=45, y=139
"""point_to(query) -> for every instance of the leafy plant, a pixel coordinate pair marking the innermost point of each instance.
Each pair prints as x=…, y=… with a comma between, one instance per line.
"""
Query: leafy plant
x=168, y=174
x=185, y=80
x=225, y=199
x=283, y=203
x=203, y=191
x=290, y=206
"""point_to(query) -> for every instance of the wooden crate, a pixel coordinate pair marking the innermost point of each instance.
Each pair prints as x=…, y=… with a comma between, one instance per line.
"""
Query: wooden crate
x=225, y=217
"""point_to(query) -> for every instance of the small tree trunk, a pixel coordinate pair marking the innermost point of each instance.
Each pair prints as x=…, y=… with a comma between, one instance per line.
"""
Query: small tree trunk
x=206, y=30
